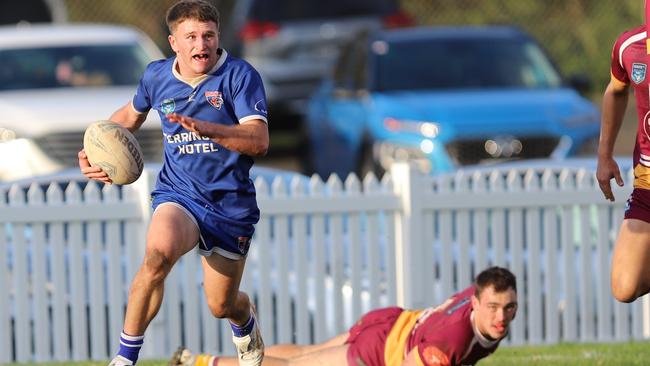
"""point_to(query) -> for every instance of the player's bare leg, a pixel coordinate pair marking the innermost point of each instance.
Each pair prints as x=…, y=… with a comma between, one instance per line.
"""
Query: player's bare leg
x=280, y=354
x=286, y=351
x=328, y=356
x=630, y=277
x=221, y=280
x=336, y=355
x=171, y=234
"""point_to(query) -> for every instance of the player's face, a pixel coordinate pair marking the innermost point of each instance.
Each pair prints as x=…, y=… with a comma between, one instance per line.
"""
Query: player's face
x=494, y=311
x=195, y=44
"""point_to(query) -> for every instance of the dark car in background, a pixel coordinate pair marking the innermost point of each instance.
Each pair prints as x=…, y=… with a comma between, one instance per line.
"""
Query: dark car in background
x=443, y=98
x=33, y=11
x=294, y=43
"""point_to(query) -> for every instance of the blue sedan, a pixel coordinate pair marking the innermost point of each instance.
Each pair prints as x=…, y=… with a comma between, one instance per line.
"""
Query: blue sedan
x=444, y=98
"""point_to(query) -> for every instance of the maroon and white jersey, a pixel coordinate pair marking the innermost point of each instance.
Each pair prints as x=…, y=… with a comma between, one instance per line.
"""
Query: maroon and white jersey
x=447, y=331
x=630, y=67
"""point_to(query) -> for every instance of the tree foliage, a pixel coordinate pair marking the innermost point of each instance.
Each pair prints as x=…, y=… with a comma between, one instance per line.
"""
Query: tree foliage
x=578, y=34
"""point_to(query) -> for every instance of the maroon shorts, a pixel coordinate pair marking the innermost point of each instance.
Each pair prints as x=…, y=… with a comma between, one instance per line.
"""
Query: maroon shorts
x=638, y=205
x=368, y=337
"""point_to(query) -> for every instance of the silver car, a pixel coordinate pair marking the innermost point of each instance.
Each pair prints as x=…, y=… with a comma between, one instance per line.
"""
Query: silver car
x=57, y=79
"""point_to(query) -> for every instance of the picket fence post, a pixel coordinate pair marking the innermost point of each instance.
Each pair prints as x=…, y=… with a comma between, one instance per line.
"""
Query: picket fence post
x=5, y=315
x=411, y=289
x=20, y=280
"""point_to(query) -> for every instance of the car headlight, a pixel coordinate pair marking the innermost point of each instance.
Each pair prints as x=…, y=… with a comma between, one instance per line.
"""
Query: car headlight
x=7, y=134
x=425, y=128
x=387, y=153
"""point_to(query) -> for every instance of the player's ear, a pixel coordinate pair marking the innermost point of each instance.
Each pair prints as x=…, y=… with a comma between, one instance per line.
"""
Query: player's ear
x=475, y=302
x=172, y=42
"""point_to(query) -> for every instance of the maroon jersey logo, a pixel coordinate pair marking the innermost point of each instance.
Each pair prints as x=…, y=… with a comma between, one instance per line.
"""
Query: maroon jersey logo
x=638, y=72
x=434, y=357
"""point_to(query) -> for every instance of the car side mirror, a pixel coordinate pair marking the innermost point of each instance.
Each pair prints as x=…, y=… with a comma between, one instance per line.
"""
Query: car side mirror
x=580, y=82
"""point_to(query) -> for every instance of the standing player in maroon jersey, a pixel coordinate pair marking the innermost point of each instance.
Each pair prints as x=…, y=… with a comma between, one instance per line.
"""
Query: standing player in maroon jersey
x=464, y=329
x=630, y=276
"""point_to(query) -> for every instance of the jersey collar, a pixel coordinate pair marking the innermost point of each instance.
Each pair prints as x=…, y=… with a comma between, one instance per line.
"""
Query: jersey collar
x=482, y=340
x=193, y=82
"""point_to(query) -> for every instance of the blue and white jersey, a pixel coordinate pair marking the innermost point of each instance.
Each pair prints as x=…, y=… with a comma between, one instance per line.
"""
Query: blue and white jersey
x=195, y=167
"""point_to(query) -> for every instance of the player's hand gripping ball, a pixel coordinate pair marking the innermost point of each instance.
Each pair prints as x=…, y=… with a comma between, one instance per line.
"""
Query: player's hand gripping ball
x=114, y=149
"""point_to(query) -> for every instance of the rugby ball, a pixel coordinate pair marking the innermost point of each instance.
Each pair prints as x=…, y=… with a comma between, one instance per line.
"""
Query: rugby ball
x=114, y=149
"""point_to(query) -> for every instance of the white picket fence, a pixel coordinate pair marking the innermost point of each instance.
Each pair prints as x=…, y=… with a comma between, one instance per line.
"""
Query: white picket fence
x=323, y=253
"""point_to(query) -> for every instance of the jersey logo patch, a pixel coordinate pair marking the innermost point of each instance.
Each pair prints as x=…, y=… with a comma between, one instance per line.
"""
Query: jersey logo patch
x=168, y=106
x=215, y=98
x=638, y=72
x=627, y=204
x=434, y=357
x=243, y=242
x=259, y=106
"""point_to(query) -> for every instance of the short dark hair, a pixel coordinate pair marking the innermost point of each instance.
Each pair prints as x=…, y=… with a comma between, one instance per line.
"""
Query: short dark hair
x=200, y=10
x=499, y=278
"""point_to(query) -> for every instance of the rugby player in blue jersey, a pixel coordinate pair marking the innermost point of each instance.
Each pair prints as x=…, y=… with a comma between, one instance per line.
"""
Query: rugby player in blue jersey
x=214, y=120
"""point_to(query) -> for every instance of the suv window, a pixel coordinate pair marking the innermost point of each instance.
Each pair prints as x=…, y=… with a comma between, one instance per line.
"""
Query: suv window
x=283, y=10
x=350, y=70
x=461, y=64
x=78, y=66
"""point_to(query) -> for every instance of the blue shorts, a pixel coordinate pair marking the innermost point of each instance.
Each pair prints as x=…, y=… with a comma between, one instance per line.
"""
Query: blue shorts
x=215, y=235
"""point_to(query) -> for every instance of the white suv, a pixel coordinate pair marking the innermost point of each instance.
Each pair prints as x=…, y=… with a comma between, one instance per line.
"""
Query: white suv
x=57, y=79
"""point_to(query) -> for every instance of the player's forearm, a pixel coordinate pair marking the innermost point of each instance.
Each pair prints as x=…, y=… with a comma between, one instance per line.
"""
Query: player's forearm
x=249, y=138
x=613, y=109
x=128, y=117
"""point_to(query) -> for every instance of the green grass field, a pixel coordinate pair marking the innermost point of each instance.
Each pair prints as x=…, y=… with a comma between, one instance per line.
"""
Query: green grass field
x=620, y=354
x=623, y=354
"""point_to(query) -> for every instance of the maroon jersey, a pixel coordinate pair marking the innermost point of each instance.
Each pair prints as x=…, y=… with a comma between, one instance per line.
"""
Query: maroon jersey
x=444, y=335
x=630, y=66
x=448, y=330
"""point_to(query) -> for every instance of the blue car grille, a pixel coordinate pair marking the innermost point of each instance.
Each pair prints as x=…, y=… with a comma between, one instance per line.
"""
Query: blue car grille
x=467, y=152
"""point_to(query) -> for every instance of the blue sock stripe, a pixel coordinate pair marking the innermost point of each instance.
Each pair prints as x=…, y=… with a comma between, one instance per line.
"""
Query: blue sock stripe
x=127, y=344
x=130, y=346
x=131, y=343
x=245, y=329
x=130, y=337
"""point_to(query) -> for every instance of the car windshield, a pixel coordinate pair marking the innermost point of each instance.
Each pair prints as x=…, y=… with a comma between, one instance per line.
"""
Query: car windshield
x=461, y=64
x=283, y=10
x=73, y=66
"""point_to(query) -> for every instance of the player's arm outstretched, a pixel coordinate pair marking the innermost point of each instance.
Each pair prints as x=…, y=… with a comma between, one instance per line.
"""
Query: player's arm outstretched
x=614, y=104
x=130, y=119
x=249, y=138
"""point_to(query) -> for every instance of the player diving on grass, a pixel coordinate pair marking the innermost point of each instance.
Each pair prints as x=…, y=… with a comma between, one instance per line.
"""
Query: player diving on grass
x=465, y=328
